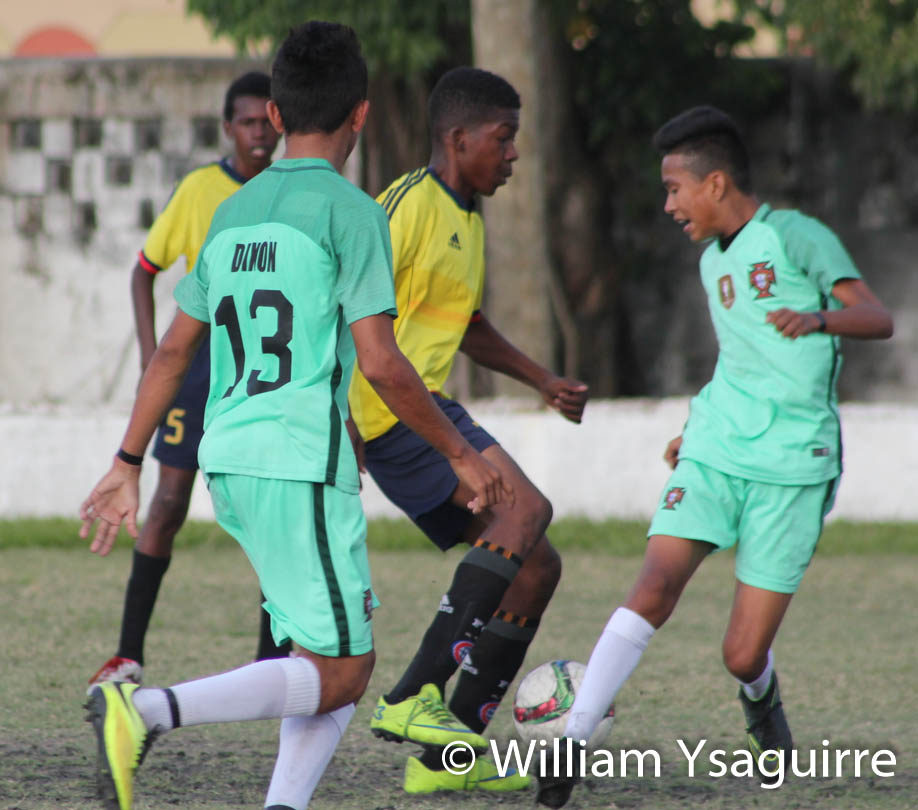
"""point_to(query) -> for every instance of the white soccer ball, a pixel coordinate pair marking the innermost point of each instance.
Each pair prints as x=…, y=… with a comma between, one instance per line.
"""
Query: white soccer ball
x=545, y=697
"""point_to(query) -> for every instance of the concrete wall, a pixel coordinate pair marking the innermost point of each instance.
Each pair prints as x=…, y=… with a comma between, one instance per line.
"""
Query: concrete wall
x=89, y=153
x=610, y=466
x=77, y=184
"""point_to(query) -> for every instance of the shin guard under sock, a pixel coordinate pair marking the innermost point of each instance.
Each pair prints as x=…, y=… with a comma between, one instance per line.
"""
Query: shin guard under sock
x=478, y=586
x=490, y=667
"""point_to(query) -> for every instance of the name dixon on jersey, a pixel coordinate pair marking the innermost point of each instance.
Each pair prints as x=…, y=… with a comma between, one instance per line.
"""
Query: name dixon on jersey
x=251, y=256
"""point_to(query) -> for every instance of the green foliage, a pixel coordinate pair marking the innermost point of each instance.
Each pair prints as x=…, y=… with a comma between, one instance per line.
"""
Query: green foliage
x=635, y=63
x=402, y=37
x=875, y=42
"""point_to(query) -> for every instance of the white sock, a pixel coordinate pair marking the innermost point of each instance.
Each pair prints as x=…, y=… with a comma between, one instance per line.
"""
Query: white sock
x=279, y=687
x=756, y=689
x=306, y=748
x=612, y=661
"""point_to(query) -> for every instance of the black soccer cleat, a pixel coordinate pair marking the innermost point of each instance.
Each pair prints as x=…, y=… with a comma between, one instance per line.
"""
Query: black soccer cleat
x=554, y=791
x=766, y=726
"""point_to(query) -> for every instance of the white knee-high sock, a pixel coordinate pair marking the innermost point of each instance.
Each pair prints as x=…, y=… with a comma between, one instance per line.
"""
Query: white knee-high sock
x=756, y=689
x=306, y=747
x=278, y=687
x=612, y=661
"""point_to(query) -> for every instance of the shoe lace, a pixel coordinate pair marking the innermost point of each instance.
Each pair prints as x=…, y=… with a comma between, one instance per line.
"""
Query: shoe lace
x=438, y=711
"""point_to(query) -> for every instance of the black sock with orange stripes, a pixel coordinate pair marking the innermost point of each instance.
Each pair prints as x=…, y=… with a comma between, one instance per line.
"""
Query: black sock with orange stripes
x=478, y=585
x=490, y=667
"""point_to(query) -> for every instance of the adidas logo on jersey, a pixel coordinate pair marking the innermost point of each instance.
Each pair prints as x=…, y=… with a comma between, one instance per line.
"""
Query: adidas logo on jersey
x=445, y=606
x=454, y=242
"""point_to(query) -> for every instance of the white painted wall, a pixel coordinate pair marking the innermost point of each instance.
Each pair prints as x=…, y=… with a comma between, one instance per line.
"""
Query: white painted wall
x=610, y=466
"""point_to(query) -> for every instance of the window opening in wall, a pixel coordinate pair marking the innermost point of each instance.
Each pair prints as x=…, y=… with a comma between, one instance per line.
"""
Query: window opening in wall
x=59, y=176
x=87, y=132
x=148, y=134
x=205, y=132
x=26, y=133
x=84, y=221
x=147, y=214
x=118, y=171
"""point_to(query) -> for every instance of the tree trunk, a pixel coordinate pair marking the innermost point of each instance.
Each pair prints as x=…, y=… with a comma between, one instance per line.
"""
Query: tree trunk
x=518, y=294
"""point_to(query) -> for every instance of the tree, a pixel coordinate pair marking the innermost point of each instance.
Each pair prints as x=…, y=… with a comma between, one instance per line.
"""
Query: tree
x=872, y=42
x=406, y=43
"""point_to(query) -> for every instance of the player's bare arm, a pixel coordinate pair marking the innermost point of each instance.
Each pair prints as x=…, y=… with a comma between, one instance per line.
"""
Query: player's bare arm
x=862, y=315
x=489, y=348
x=398, y=384
x=115, y=499
x=144, y=312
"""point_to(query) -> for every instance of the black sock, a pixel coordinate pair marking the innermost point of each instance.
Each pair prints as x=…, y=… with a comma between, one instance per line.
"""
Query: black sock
x=478, y=586
x=432, y=757
x=490, y=667
x=146, y=575
x=266, y=646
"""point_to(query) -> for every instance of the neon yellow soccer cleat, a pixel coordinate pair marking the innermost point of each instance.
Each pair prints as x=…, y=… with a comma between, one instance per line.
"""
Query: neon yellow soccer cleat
x=483, y=775
x=423, y=719
x=123, y=741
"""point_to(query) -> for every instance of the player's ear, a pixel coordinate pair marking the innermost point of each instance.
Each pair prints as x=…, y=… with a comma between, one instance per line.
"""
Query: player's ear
x=456, y=137
x=274, y=116
x=717, y=181
x=358, y=117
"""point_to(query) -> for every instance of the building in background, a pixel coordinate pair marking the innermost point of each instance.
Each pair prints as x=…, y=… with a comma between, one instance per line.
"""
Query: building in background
x=105, y=28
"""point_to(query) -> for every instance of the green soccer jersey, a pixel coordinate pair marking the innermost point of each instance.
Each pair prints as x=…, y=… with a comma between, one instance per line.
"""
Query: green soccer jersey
x=770, y=413
x=290, y=260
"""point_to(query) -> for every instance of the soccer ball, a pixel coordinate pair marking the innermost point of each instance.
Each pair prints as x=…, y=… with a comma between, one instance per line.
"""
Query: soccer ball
x=544, y=698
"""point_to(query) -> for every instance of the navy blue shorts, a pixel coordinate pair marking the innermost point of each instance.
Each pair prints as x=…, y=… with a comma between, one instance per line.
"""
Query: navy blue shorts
x=419, y=480
x=181, y=430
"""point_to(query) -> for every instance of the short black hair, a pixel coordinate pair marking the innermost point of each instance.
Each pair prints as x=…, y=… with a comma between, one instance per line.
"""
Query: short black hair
x=255, y=84
x=466, y=96
x=710, y=139
x=318, y=77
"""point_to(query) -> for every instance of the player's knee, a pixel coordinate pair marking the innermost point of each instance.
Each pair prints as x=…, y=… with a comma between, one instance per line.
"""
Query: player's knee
x=344, y=680
x=548, y=569
x=168, y=510
x=654, y=597
x=743, y=662
x=532, y=513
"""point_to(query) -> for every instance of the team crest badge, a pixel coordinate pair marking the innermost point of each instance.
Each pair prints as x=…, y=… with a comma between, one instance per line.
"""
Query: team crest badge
x=725, y=288
x=673, y=498
x=761, y=277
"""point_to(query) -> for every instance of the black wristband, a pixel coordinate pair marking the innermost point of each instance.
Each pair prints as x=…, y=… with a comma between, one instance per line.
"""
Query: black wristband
x=822, y=321
x=129, y=458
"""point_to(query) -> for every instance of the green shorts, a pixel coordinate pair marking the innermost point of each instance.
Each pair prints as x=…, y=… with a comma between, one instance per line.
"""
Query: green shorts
x=775, y=528
x=307, y=544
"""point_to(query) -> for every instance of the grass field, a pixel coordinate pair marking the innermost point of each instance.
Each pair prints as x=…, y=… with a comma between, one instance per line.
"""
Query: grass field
x=847, y=658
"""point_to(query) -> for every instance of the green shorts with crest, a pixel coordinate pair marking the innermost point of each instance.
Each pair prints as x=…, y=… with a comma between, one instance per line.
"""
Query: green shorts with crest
x=307, y=544
x=775, y=528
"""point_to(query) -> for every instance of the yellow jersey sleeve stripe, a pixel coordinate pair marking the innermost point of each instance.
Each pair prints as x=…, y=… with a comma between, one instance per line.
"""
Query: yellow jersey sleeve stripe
x=406, y=187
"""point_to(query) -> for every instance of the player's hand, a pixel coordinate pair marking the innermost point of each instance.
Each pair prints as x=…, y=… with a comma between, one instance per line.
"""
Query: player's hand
x=567, y=396
x=484, y=479
x=671, y=453
x=794, y=324
x=114, y=501
x=358, y=444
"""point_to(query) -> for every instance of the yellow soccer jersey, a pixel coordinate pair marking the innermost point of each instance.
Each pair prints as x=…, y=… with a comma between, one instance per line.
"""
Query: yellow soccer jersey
x=438, y=261
x=182, y=226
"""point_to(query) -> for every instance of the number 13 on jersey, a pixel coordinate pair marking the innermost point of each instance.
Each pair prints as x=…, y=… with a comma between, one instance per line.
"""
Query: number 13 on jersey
x=277, y=344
